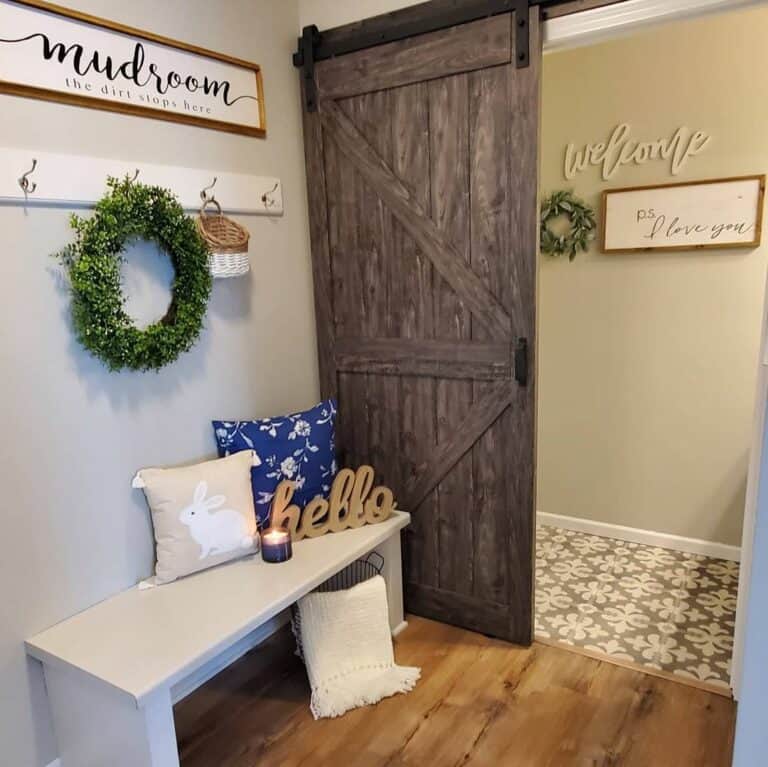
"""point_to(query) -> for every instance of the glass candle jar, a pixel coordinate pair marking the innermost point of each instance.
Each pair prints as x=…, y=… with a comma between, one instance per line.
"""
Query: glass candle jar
x=276, y=545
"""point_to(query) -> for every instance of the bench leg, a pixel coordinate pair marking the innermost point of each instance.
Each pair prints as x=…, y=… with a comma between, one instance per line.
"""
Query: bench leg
x=98, y=726
x=393, y=575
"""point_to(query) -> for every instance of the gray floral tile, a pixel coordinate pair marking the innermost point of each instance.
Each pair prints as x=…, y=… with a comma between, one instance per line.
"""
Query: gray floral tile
x=627, y=618
x=658, y=608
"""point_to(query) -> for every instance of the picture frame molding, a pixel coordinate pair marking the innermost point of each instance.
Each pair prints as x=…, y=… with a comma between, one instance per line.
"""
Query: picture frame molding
x=94, y=102
x=754, y=243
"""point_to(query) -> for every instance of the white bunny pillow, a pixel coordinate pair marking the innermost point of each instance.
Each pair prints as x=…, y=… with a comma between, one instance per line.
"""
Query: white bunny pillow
x=203, y=515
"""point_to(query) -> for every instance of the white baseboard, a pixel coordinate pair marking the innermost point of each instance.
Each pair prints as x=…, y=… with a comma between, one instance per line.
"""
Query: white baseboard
x=636, y=535
x=55, y=763
x=397, y=630
x=228, y=657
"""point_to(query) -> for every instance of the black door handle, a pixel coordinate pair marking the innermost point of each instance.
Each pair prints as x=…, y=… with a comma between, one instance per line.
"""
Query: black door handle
x=521, y=361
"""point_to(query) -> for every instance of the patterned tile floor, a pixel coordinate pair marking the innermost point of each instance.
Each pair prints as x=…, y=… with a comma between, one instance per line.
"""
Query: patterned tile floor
x=655, y=607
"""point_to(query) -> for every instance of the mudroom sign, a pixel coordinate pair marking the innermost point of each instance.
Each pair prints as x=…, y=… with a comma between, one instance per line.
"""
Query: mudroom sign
x=51, y=53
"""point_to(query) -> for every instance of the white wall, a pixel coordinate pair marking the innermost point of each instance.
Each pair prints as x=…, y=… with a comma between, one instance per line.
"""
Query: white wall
x=332, y=13
x=73, y=434
x=752, y=718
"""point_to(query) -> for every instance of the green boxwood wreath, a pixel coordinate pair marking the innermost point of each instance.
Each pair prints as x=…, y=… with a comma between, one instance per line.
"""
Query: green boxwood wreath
x=582, y=225
x=93, y=261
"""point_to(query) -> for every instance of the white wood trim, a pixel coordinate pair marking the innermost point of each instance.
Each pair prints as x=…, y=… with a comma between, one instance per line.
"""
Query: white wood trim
x=637, y=535
x=397, y=630
x=55, y=763
x=119, y=642
x=79, y=181
x=587, y=27
x=129, y=709
x=750, y=507
x=390, y=550
x=95, y=725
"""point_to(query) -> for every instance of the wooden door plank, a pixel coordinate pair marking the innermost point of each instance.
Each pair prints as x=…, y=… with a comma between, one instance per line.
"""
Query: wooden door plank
x=370, y=114
x=433, y=358
x=342, y=182
x=352, y=429
x=411, y=314
x=491, y=196
x=449, y=118
x=484, y=412
x=525, y=86
x=480, y=44
x=485, y=308
x=320, y=249
x=467, y=611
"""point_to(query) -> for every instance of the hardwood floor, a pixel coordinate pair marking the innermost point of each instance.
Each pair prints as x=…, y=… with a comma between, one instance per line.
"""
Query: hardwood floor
x=480, y=702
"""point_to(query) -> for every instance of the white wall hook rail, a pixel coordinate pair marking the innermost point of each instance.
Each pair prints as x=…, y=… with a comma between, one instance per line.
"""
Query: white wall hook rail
x=79, y=181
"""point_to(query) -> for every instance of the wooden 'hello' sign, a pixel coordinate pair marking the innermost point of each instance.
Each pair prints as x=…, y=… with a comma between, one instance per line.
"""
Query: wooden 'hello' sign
x=353, y=502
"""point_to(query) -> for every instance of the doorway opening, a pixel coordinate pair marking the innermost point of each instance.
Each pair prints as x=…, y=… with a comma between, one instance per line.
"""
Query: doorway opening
x=647, y=361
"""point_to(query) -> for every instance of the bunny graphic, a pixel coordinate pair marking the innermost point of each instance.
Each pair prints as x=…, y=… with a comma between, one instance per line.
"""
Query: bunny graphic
x=217, y=533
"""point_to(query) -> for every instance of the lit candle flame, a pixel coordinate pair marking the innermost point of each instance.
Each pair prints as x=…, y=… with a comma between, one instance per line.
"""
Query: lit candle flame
x=276, y=536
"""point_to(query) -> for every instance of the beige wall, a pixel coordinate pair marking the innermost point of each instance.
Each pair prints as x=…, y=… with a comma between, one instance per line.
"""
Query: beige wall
x=648, y=362
x=73, y=434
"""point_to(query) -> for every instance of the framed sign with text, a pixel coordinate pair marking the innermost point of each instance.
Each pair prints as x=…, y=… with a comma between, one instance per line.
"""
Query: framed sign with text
x=49, y=52
x=716, y=213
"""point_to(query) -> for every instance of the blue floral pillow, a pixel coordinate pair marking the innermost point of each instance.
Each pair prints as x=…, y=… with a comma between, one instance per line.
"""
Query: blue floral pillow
x=299, y=447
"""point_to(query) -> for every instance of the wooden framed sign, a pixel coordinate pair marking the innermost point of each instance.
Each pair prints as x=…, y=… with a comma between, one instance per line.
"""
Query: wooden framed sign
x=49, y=52
x=716, y=213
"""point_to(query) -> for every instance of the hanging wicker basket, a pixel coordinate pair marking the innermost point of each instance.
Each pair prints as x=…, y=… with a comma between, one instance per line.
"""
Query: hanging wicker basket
x=227, y=242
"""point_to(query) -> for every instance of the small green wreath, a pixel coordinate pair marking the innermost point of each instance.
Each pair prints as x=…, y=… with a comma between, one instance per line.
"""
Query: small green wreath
x=582, y=225
x=93, y=261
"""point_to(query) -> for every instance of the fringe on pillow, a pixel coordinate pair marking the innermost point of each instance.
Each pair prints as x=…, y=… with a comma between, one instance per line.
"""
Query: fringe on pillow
x=361, y=688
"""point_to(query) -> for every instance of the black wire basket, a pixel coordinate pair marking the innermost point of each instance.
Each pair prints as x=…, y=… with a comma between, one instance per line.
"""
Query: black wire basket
x=357, y=572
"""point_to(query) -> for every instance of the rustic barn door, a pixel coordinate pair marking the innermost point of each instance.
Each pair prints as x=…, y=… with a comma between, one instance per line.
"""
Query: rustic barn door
x=422, y=176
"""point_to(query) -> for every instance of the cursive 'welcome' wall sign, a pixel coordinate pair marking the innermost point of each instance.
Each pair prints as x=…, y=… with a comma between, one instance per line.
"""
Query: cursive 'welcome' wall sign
x=55, y=54
x=622, y=149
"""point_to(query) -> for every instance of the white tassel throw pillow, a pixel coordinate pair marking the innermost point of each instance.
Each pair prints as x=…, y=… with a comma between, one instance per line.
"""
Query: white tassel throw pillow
x=348, y=649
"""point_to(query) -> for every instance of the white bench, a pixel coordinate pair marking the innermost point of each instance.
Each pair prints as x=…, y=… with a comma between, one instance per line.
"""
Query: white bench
x=114, y=671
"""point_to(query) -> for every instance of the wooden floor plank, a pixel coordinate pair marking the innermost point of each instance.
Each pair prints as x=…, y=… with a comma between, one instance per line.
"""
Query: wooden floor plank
x=480, y=702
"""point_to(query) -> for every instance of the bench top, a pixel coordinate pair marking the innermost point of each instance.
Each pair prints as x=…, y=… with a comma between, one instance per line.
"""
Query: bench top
x=141, y=640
